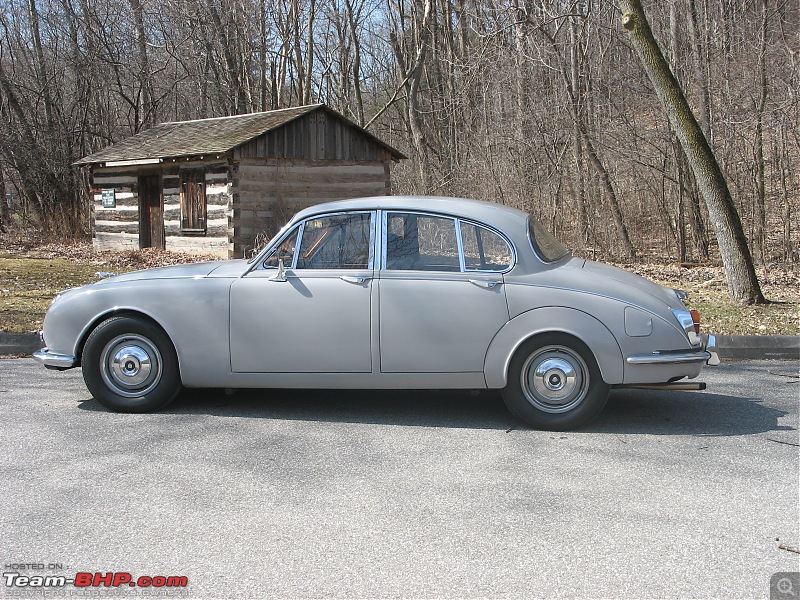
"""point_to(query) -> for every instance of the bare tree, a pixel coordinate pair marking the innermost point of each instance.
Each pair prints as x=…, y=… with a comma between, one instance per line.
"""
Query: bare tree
x=743, y=284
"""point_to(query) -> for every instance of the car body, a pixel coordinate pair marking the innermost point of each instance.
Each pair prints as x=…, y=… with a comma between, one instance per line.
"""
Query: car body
x=385, y=292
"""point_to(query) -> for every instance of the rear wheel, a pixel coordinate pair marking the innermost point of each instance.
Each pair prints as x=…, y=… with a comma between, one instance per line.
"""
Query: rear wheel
x=554, y=383
x=130, y=365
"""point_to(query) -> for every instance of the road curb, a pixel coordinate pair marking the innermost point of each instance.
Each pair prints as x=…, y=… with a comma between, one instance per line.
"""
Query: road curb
x=759, y=346
x=19, y=343
x=730, y=346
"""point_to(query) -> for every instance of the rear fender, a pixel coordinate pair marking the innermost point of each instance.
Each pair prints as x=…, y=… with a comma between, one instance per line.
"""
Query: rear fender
x=549, y=319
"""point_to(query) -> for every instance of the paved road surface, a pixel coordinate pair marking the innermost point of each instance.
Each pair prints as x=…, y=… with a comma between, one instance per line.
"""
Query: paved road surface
x=424, y=494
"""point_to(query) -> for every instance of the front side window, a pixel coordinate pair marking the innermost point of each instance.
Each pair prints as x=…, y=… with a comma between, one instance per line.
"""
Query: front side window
x=335, y=242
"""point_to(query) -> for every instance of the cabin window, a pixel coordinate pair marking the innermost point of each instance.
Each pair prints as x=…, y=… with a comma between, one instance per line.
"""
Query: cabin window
x=193, y=201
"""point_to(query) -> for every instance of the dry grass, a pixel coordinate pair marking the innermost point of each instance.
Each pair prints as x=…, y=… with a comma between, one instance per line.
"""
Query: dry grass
x=31, y=275
x=708, y=294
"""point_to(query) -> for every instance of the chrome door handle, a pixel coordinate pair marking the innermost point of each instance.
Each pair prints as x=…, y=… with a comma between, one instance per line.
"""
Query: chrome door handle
x=485, y=283
x=352, y=279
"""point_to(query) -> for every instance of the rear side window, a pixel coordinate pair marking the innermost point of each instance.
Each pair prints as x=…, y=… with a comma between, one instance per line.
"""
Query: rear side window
x=484, y=250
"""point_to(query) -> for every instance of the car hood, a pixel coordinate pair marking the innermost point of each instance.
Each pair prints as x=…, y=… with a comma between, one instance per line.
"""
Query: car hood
x=642, y=284
x=229, y=268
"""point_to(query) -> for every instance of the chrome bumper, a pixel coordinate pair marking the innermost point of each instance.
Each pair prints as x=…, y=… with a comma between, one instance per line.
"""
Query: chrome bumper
x=707, y=354
x=53, y=360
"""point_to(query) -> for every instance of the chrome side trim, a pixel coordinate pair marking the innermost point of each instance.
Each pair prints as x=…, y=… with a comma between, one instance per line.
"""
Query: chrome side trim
x=53, y=360
x=669, y=359
x=707, y=355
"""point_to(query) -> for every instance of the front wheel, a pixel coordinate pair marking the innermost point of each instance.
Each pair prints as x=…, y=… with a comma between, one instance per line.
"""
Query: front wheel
x=130, y=365
x=554, y=383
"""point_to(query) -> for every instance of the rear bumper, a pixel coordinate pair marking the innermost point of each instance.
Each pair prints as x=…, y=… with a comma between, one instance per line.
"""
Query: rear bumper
x=53, y=360
x=706, y=354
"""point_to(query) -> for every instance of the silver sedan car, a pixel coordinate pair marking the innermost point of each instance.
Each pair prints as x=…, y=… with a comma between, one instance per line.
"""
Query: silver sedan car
x=385, y=293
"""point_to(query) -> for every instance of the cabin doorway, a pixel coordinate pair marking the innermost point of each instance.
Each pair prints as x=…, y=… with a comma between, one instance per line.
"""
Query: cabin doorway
x=151, y=212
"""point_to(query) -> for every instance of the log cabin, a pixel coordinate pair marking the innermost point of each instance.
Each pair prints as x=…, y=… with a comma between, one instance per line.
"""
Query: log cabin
x=222, y=186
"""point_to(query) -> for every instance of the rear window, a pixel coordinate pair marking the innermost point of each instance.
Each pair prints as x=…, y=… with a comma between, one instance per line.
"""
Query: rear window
x=544, y=243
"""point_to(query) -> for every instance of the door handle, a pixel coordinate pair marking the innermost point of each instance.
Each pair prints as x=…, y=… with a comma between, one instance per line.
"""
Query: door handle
x=485, y=283
x=353, y=279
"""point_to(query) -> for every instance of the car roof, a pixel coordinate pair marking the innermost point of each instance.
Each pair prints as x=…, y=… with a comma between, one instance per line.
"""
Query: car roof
x=500, y=216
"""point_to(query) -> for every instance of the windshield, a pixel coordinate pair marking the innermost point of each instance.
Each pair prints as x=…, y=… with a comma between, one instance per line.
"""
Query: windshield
x=544, y=243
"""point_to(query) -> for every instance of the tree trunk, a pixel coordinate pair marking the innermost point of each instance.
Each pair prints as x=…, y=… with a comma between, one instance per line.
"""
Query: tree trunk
x=353, y=29
x=145, y=116
x=39, y=66
x=743, y=285
x=759, y=238
x=308, y=94
x=5, y=216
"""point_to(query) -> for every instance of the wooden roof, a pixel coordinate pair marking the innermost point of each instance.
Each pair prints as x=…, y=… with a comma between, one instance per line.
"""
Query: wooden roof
x=203, y=137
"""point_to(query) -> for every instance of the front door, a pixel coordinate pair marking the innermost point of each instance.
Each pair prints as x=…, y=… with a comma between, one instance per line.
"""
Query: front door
x=314, y=316
x=151, y=212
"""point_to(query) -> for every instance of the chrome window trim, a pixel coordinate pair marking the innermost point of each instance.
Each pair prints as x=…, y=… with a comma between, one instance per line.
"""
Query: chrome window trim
x=298, y=244
x=380, y=236
x=373, y=219
x=384, y=221
x=460, y=244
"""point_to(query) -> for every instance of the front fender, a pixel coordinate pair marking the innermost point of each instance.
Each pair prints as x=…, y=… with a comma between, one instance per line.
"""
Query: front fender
x=548, y=319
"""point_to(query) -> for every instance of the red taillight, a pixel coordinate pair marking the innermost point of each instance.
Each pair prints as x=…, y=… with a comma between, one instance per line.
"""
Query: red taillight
x=696, y=320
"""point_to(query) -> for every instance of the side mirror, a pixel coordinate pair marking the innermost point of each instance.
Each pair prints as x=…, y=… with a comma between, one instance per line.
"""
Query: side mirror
x=281, y=274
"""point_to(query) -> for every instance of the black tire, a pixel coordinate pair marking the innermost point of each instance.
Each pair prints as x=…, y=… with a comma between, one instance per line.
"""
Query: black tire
x=554, y=383
x=130, y=365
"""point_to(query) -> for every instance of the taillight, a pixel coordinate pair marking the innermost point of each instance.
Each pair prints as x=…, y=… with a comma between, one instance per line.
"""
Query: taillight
x=695, y=320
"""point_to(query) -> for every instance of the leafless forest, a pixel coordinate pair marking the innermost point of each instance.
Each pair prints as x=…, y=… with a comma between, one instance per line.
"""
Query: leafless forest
x=538, y=104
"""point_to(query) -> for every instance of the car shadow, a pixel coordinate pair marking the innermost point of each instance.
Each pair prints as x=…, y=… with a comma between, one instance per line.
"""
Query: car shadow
x=627, y=411
x=685, y=413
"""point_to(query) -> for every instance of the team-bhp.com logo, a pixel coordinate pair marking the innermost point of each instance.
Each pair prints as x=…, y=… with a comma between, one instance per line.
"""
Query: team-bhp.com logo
x=89, y=580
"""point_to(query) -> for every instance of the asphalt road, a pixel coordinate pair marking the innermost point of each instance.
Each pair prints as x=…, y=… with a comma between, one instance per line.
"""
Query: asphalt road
x=426, y=494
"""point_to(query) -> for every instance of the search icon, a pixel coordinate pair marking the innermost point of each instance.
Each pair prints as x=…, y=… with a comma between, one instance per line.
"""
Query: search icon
x=785, y=586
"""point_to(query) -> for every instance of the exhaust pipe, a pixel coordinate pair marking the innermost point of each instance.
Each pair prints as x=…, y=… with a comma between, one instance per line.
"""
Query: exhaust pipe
x=684, y=386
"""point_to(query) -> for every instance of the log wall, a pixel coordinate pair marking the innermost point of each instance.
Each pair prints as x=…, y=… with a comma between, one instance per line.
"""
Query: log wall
x=268, y=191
x=118, y=228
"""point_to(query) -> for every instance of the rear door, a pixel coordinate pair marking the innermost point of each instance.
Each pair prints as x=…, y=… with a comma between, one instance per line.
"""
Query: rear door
x=441, y=293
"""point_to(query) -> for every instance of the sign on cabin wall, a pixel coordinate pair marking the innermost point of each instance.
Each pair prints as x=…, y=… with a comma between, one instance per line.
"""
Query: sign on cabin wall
x=109, y=199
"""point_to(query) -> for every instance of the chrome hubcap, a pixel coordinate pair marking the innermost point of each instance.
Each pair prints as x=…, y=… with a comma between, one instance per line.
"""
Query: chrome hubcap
x=130, y=365
x=555, y=379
